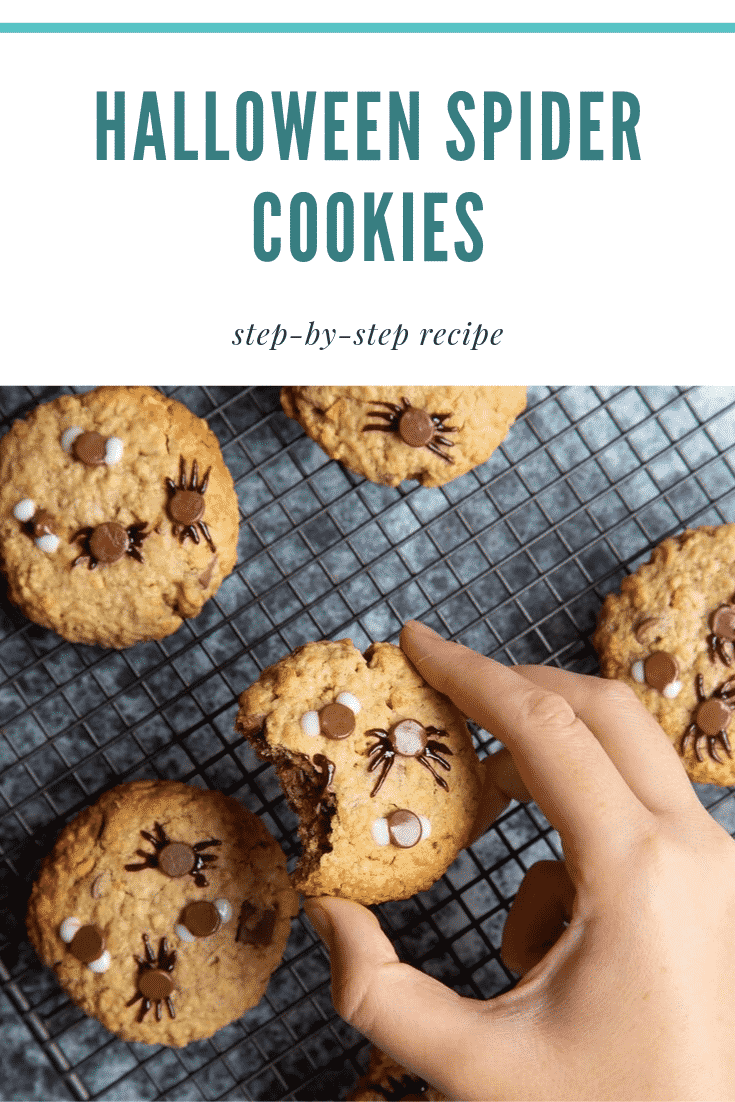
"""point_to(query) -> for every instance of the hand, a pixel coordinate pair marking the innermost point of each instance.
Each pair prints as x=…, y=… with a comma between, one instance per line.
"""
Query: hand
x=634, y=998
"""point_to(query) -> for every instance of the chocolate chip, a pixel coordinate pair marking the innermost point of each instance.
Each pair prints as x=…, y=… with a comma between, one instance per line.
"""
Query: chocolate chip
x=206, y=575
x=155, y=985
x=108, y=542
x=201, y=918
x=87, y=944
x=723, y=622
x=255, y=927
x=648, y=629
x=408, y=738
x=186, y=507
x=416, y=427
x=404, y=828
x=712, y=716
x=336, y=721
x=89, y=448
x=41, y=524
x=660, y=669
x=176, y=859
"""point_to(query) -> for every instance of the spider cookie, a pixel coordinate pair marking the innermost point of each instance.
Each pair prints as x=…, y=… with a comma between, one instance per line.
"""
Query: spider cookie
x=379, y=767
x=163, y=910
x=118, y=516
x=387, y=1081
x=670, y=635
x=390, y=433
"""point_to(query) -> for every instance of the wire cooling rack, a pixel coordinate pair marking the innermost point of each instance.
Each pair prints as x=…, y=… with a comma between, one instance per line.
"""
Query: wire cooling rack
x=512, y=559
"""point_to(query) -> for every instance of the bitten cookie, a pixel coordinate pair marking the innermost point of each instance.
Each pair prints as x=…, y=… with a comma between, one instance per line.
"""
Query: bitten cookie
x=118, y=516
x=390, y=433
x=163, y=910
x=669, y=634
x=387, y=1081
x=378, y=765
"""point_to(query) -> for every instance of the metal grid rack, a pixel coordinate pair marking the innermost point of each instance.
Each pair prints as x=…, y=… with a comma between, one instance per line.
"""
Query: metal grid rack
x=511, y=559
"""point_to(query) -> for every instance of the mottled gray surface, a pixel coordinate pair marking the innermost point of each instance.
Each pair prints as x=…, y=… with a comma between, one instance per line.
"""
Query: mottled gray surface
x=512, y=559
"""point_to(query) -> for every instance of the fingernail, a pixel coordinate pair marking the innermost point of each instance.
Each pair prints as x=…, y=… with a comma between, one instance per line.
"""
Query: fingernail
x=418, y=628
x=320, y=920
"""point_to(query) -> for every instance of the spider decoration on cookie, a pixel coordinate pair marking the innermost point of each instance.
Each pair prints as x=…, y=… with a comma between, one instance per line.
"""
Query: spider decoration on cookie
x=109, y=542
x=416, y=427
x=711, y=719
x=407, y=739
x=154, y=979
x=186, y=504
x=38, y=523
x=723, y=634
x=176, y=859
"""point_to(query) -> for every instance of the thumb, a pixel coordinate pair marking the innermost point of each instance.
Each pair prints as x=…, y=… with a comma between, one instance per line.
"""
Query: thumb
x=422, y=1024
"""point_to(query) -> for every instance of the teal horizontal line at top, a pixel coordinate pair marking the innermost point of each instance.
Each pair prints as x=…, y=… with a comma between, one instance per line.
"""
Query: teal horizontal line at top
x=367, y=28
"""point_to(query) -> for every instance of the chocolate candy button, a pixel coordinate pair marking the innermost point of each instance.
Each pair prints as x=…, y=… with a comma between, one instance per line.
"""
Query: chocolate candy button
x=404, y=828
x=416, y=427
x=89, y=448
x=336, y=721
x=186, y=507
x=108, y=542
x=723, y=622
x=87, y=944
x=155, y=985
x=660, y=669
x=201, y=918
x=176, y=859
x=713, y=716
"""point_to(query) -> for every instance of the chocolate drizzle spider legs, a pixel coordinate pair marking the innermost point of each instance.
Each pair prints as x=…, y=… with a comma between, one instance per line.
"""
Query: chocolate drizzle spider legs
x=176, y=859
x=154, y=981
x=416, y=427
x=407, y=739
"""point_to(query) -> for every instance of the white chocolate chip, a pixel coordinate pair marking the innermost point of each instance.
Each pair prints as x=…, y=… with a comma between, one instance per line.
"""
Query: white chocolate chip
x=24, y=510
x=310, y=723
x=68, y=929
x=224, y=908
x=350, y=702
x=47, y=543
x=113, y=450
x=183, y=933
x=638, y=673
x=68, y=438
x=379, y=831
x=425, y=828
x=671, y=690
x=102, y=963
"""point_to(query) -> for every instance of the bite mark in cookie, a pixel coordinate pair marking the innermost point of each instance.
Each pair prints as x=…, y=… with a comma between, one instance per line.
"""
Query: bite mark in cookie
x=365, y=837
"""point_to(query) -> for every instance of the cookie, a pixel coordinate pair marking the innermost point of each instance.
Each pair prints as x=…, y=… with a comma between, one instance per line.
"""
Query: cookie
x=379, y=767
x=387, y=1081
x=390, y=433
x=163, y=910
x=118, y=516
x=669, y=634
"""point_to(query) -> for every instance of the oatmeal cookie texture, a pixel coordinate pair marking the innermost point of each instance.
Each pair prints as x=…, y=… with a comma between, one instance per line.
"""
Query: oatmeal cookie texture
x=379, y=767
x=669, y=635
x=390, y=433
x=118, y=516
x=163, y=910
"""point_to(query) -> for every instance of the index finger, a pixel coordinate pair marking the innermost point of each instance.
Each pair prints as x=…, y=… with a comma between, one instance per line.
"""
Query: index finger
x=562, y=764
